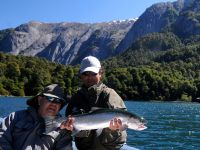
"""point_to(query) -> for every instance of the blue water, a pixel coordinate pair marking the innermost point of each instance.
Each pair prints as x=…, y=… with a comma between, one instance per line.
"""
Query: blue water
x=171, y=125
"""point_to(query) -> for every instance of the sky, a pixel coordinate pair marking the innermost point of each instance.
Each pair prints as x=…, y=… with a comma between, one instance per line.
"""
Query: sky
x=16, y=12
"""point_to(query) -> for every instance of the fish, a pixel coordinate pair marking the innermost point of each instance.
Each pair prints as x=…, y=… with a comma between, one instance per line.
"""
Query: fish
x=100, y=118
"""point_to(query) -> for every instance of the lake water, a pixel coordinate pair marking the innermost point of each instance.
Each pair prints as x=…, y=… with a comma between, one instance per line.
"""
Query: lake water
x=171, y=125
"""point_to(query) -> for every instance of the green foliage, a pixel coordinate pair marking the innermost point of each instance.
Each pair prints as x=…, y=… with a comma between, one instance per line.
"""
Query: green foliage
x=158, y=66
x=145, y=49
x=186, y=97
x=22, y=75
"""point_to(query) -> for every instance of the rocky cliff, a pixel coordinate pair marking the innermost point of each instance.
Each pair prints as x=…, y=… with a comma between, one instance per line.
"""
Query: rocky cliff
x=65, y=43
x=68, y=43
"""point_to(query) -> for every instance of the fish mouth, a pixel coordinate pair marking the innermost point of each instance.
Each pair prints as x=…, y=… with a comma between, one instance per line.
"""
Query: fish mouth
x=141, y=127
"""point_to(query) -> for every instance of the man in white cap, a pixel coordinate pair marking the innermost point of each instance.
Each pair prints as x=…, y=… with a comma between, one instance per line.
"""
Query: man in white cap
x=96, y=94
x=34, y=128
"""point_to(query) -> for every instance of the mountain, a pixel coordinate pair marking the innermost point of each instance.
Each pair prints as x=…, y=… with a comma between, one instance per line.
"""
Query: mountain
x=188, y=21
x=144, y=50
x=156, y=18
x=164, y=29
x=65, y=43
x=156, y=57
x=68, y=43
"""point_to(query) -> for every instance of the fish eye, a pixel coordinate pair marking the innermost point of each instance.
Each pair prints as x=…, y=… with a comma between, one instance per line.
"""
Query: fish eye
x=143, y=120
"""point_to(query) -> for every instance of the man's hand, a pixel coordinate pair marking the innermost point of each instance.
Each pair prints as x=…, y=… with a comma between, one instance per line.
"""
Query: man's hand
x=115, y=124
x=68, y=124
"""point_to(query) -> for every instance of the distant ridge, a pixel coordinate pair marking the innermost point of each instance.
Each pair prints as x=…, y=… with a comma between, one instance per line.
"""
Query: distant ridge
x=68, y=43
x=64, y=42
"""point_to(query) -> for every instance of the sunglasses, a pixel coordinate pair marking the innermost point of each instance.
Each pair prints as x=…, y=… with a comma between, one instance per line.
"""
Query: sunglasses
x=53, y=99
x=89, y=74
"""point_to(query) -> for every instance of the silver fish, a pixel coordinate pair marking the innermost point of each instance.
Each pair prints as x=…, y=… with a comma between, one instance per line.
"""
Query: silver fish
x=101, y=118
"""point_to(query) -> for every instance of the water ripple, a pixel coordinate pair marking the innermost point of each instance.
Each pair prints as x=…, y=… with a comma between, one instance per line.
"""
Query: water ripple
x=171, y=125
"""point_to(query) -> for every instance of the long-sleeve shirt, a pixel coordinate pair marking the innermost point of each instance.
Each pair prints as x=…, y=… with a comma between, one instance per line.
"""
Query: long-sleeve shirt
x=25, y=130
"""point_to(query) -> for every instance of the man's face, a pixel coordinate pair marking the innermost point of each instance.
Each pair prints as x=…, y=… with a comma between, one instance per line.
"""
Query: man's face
x=90, y=78
x=47, y=108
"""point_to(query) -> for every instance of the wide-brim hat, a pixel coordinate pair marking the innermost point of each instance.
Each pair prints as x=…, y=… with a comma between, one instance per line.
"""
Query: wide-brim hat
x=53, y=91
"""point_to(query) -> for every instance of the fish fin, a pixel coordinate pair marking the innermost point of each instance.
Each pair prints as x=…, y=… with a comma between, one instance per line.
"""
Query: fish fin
x=124, y=127
x=99, y=131
x=75, y=132
x=95, y=108
x=141, y=127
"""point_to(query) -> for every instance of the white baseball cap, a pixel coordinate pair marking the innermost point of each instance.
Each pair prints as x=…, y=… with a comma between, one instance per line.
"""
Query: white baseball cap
x=90, y=63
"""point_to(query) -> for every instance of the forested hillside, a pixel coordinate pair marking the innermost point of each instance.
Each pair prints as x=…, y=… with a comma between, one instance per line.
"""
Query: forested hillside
x=157, y=67
x=21, y=75
x=161, y=61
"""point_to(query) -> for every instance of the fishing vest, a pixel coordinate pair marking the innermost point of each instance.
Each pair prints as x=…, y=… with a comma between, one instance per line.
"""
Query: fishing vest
x=95, y=96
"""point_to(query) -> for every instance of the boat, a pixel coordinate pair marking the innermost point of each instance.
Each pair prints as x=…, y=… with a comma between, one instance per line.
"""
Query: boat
x=124, y=147
x=198, y=99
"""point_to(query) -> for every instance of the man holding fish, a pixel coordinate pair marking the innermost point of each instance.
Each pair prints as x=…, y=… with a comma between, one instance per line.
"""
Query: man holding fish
x=96, y=116
x=94, y=95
